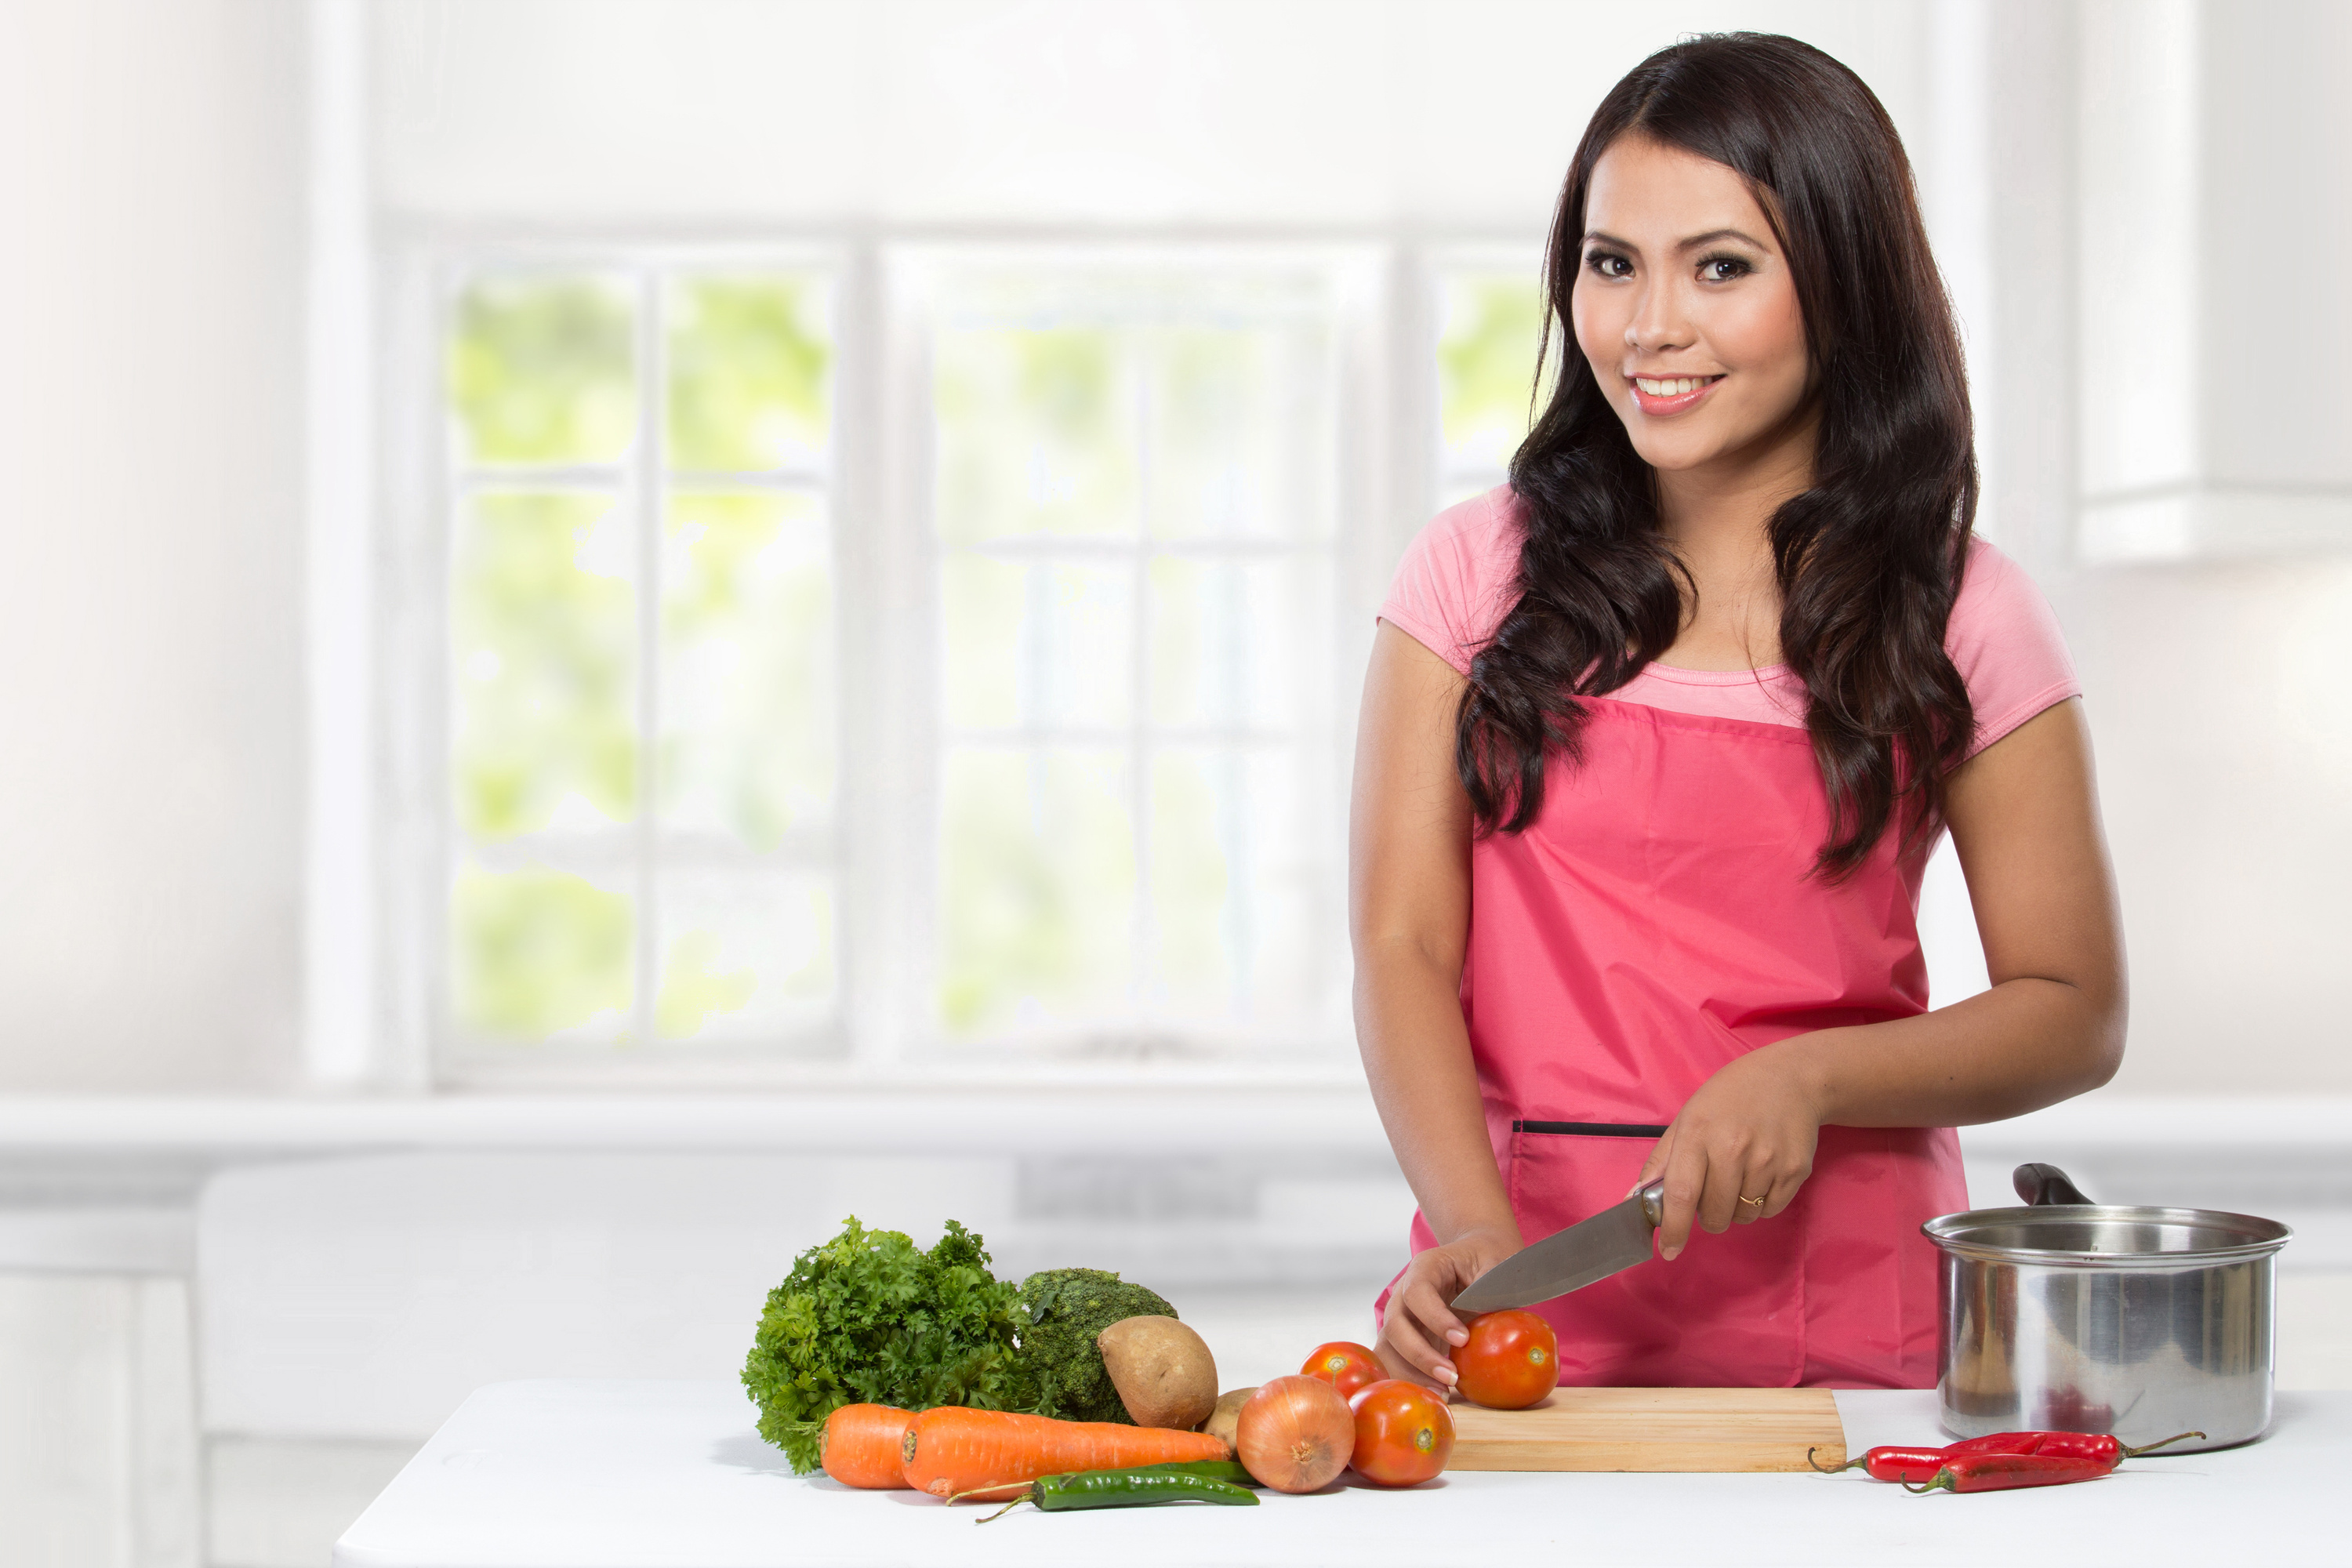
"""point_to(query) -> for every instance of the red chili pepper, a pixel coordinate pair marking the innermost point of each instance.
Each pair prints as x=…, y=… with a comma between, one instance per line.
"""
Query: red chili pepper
x=2000, y=1472
x=2062, y=1445
x=1920, y=1464
x=1889, y=1464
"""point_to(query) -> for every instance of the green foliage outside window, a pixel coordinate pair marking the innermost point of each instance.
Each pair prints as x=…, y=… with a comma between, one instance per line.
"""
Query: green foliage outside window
x=539, y=951
x=550, y=650
x=1194, y=907
x=751, y=361
x=1034, y=434
x=543, y=622
x=544, y=371
x=1487, y=365
x=1038, y=864
x=697, y=983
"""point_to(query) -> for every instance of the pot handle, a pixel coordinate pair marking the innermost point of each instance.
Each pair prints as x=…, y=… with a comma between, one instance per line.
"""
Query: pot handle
x=2039, y=1183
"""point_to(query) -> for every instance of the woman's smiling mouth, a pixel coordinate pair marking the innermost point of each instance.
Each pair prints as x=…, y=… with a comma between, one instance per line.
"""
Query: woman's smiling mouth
x=1663, y=394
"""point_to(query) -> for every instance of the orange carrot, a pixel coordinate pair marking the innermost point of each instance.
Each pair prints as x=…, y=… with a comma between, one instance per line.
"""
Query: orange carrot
x=951, y=1449
x=861, y=1445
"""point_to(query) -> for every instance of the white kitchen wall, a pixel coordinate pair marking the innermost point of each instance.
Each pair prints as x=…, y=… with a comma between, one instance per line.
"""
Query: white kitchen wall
x=150, y=648
x=2209, y=591
x=1299, y=112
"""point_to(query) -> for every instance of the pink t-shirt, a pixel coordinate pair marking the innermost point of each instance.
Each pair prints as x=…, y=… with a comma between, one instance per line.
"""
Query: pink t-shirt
x=1456, y=583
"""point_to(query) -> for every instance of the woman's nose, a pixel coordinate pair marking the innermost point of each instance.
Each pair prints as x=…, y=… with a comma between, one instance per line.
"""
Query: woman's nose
x=1658, y=324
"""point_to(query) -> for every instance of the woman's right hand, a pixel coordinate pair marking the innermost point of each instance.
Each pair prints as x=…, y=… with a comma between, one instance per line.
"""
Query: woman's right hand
x=1421, y=1332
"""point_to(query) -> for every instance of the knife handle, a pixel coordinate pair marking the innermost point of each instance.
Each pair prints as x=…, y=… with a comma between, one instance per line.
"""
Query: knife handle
x=1653, y=1202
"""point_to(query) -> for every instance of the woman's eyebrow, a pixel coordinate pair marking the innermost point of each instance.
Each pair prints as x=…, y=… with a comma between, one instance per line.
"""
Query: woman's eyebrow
x=1711, y=235
x=1604, y=238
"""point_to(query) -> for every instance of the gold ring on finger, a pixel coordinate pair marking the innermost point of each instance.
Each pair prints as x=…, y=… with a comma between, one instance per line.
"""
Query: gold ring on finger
x=1758, y=1202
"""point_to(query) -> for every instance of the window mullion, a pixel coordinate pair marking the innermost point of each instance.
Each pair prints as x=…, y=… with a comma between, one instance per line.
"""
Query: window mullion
x=436, y=798
x=888, y=726
x=1146, y=927
x=647, y=473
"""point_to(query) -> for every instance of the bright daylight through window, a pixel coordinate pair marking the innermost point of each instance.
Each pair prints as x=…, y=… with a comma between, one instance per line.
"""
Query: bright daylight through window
x=1134, y=508
x=1489, y=312
x=1116, y=485
x=640, y=602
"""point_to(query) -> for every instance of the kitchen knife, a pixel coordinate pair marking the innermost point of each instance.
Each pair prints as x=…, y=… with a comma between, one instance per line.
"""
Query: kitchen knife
x=1614, y=1240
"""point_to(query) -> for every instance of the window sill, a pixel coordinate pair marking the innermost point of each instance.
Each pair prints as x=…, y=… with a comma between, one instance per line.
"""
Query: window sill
x=1076, y=1112
x=1069, y=1109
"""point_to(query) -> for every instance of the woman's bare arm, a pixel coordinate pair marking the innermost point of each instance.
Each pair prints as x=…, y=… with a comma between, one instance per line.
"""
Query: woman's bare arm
x=1409, y=915
x=2024, y=817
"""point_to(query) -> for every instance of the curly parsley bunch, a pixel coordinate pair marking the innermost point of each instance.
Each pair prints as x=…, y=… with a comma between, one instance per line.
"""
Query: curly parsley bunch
x=868, y=1318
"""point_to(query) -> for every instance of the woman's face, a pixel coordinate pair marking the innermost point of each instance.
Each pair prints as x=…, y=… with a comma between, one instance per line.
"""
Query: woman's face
x=1685, y=307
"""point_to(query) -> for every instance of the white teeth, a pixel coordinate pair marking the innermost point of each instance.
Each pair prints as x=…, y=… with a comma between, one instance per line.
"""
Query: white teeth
x=1674, y=386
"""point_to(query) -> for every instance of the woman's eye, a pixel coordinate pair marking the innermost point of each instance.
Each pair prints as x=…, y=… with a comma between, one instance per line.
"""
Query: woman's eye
x=1723, y=268
x=1609, y=265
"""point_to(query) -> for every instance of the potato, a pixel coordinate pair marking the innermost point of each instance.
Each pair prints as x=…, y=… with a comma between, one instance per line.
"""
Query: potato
x=1226, y=1420
x=1162, y=1369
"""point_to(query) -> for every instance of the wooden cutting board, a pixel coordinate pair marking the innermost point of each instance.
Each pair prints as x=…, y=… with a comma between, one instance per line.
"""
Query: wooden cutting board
x=1652, y=1429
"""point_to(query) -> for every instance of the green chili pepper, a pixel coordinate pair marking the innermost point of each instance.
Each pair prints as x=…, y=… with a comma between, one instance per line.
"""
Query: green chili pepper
x=1138, y=1488
x=1229, y=1470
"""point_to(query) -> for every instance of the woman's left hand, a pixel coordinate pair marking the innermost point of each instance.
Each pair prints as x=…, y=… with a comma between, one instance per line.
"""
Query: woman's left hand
x=1747, y=1133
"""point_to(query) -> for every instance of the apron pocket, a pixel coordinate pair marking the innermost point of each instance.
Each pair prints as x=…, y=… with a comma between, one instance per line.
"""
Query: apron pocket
x=1728, y=1313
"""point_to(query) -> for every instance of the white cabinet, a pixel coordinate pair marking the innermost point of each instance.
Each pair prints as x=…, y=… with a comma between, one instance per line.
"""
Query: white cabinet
x=2215, y=147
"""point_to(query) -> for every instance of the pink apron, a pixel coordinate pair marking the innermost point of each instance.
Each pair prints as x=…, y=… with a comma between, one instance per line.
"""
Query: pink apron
x=1657, y=920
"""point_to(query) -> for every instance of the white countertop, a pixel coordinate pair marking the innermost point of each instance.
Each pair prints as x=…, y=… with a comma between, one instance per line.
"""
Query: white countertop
x=671, y=1475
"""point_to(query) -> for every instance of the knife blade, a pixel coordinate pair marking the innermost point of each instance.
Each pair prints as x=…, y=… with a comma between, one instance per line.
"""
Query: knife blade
x=1593, y=1250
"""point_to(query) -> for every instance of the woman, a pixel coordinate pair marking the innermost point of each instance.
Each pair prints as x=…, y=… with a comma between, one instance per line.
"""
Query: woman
x=1656, y=740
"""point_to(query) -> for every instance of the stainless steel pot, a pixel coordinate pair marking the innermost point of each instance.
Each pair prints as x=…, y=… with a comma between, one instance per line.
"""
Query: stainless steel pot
x=2069, y=1315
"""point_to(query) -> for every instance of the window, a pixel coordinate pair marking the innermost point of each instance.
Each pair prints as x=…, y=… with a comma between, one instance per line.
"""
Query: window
x=1490, y=308
x=905, y=655
x=640, y=768
x=1133, y=521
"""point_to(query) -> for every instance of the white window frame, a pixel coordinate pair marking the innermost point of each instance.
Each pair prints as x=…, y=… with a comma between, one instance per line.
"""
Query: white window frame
x=911, y=273
x=342, y=1030
x=425, y=481
x=879, y=503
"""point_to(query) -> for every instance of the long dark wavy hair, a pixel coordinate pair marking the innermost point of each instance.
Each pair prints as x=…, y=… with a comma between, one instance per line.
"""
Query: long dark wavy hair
x=1869, y=559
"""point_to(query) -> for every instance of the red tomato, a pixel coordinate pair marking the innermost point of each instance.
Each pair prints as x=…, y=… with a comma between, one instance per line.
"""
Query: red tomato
x=1403, y=1435
x=1345, y=1366
x=1511, y=1362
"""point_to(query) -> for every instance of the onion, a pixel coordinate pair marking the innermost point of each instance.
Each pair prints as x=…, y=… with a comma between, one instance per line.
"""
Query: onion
x=1296, y=1435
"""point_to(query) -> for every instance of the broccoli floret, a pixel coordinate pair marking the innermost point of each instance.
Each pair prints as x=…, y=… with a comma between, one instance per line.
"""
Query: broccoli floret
x=1060, y=1311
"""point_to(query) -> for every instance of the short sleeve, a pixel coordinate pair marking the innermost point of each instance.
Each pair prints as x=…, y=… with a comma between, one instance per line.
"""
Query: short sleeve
x=1459, y=578
x=2006, y=644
